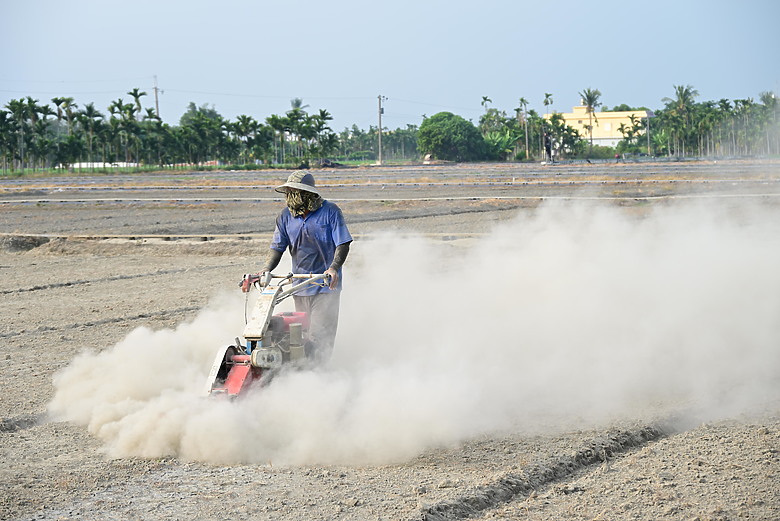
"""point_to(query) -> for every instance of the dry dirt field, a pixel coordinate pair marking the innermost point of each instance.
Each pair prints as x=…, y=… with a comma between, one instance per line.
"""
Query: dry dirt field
x=87, y=262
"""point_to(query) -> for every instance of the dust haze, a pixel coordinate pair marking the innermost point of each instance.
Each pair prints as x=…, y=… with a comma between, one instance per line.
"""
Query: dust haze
x=567, y=316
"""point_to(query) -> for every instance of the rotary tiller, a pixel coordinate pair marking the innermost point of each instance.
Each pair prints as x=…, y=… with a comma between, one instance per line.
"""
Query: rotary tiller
x=272, y=340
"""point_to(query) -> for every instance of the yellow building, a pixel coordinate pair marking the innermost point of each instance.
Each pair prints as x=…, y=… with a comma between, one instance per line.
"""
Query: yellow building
x=606, y=125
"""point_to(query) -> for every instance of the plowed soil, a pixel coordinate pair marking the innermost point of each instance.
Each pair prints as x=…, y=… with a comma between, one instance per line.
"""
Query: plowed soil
x=86, y=260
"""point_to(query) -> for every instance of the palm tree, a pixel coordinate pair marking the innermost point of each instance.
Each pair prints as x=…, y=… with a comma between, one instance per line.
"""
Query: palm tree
x=680, y=108
x=281, y=125
x=705, y=121
x=33, y=109
x=769, y=100
x=548, y=100
x=245, y=127
x=322, y=131
x=116, y=107
x=6, y=142
x=45, y=111
x=590, y=98
x=18, y=110
x=325, y=116
x=261, y=142
x=137, y=95
x=743, y=109
x=296, y=118
x=328, y=142
x=58, y=103
x=89, y=117
x=730, y=124
x=37, y=131
x=307, y=131
x=524, y=105
x=297, y=103
x=69, y=107
x=44, y=126
x=684, y=97
x=124, y=126
x=485, y=102
x=153, y=136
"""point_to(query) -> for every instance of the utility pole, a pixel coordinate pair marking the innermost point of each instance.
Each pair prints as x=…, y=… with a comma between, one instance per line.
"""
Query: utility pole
x=156, y=98
x=649, y=115
x=380, y=98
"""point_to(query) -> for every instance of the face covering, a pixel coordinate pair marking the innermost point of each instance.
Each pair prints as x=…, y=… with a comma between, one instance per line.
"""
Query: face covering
x=300, y=201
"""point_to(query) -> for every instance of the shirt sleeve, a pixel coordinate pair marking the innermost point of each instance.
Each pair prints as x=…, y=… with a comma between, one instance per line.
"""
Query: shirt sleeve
x=341, y=233
x=281, y=241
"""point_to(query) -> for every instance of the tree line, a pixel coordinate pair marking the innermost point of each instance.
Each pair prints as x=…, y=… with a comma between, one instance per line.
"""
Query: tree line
x=36, y=135
x=681, y=128
x=741, y=127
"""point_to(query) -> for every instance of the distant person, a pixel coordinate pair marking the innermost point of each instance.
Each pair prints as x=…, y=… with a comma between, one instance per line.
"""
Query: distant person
x=548, y=146
x=314, y=231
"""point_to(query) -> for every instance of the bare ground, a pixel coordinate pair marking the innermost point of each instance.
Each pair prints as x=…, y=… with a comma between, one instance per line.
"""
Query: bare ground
x=61, y=295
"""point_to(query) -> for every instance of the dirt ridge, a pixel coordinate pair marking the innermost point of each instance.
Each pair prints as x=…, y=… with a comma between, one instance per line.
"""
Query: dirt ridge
x=79, y=282
x=513, y=485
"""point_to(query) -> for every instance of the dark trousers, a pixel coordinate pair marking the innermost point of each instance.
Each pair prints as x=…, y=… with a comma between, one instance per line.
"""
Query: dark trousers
x=323, y=311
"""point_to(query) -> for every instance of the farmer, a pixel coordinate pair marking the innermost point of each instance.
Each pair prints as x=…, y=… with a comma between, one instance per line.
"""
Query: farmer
x=318, y=239
x=548, y=146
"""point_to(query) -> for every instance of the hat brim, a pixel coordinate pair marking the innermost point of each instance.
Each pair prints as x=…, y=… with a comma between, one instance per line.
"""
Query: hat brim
x=282, y=189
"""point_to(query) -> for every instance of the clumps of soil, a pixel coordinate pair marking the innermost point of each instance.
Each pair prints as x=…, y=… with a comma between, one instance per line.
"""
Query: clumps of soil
x=16, y=243
x=18, y=423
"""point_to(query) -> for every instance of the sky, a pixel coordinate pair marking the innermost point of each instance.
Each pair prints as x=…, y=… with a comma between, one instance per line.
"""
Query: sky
x=426, y=56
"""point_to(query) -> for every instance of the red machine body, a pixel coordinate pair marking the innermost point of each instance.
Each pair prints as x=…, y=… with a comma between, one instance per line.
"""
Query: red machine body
x=241, y=374
x=294, y=317
x=271, y=339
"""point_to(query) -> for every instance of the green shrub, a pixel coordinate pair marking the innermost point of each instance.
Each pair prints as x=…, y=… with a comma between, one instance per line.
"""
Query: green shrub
x=361, y=155
x=598, y=152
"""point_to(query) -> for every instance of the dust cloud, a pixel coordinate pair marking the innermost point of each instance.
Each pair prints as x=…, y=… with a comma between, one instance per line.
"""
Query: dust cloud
x=568, y=316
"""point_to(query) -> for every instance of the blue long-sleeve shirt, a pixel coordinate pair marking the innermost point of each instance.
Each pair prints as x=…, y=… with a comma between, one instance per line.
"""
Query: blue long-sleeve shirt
x=312, y=240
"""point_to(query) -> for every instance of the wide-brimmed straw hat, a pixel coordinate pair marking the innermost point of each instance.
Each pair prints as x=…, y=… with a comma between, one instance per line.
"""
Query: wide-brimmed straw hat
x=299, y=180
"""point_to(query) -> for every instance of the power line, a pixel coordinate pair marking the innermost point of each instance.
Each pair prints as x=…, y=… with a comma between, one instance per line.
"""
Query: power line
x=268, y=96
x=29, y=92
x=380, y=98
x=436, y=105
x=104, y=80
